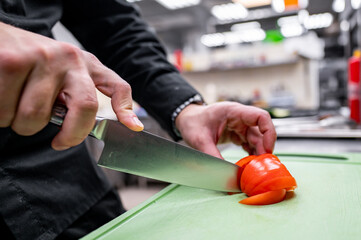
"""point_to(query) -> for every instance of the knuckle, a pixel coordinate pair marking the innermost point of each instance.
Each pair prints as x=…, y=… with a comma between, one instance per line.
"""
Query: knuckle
x=124, y=86
x=44, y=53
x=70, y=51
x=89, y=104
x=37, y=115
x=10, y=61
x=264, y=114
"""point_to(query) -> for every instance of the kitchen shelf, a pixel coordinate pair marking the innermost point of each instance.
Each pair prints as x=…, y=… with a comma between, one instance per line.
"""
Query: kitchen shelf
x=247, y=66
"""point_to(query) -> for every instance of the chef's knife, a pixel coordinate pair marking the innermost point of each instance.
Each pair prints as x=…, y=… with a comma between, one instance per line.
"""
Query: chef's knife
x=151, y=156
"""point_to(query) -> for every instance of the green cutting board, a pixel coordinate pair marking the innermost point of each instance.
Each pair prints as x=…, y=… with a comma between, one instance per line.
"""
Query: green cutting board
x=326, y=205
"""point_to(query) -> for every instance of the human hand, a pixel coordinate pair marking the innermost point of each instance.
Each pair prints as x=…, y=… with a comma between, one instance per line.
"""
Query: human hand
x=36, y=71
x=202, y=127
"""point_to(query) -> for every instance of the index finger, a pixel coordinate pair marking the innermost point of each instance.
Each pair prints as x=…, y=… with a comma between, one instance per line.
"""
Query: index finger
x=120, y=92
x=262, y=119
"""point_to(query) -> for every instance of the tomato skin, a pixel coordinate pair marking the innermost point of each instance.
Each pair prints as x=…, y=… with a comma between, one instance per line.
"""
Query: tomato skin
x=264, y=174
x=288, y=183
x=242, y=164
x=265, y=198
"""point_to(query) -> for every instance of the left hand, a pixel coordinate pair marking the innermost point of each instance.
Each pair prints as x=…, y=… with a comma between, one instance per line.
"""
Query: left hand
x=203, y=127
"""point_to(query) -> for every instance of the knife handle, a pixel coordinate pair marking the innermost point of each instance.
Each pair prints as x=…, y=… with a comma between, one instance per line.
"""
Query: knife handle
x=58, y=115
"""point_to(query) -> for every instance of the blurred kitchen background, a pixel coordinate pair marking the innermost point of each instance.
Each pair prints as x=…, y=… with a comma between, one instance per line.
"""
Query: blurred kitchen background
x=298, y=59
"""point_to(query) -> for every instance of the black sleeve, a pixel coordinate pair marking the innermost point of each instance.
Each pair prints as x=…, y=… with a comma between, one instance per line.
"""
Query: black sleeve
x=114, y=31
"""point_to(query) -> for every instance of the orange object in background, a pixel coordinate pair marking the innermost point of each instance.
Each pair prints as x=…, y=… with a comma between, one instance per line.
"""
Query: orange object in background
x=291, y=4
x=354, y=89
x=264, y=179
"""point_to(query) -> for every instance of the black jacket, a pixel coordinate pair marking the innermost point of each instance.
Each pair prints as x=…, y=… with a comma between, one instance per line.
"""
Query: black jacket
x=44, y=191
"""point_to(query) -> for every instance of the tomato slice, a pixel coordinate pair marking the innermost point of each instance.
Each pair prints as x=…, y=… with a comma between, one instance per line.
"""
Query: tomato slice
x=286, y=182
x=266, y=198
x=244, y=161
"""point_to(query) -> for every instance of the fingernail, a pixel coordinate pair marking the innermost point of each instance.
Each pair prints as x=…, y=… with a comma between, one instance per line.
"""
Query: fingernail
x=138, y=122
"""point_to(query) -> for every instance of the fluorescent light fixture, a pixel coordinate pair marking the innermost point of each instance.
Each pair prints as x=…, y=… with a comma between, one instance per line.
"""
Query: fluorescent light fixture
x=356, y=4
x=303, y=15
x=253, y=3
x=213, y=40
x=176, y=4
x=245, y=26
x=226, y=38
x=290, y=26
x=288, y=20
x=315, y=21
x=278, y=5
x=292, y=30
x=338, y=5
x=253, y=35
x=229, y=11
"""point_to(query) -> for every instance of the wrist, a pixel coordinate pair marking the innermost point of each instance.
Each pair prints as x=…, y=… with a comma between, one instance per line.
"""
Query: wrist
x=186, y=114
x=196, y=100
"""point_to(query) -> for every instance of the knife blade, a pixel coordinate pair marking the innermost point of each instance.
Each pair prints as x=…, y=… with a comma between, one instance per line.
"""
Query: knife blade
x=145, y=154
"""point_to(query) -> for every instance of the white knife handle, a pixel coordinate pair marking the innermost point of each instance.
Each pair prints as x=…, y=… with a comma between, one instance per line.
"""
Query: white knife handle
x=59, y=112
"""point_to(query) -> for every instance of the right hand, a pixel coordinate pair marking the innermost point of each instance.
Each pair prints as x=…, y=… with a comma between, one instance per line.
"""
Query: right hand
x=36, y=71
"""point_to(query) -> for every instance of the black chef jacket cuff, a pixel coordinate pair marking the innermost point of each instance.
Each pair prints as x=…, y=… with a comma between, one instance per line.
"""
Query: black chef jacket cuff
x=196, y=99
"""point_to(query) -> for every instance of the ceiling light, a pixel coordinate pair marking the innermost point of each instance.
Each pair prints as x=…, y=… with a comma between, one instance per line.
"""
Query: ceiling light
x=253, y=35
x=245, y=26
x=316, y=21
x=338, y=5
x=303, y=15
x=230, y=11
x=213, y=40
x=288, y=20
x=356, y=4
x=253, y=3
x=292, y=30
x=226, y=38
x=176, y=4
x=131, y=1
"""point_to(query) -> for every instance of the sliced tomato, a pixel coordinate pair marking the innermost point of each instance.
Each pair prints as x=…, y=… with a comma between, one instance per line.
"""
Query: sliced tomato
x=266, y=198
x=261, y=169
x=287, y=182
x=244, y=161
x=264, y=179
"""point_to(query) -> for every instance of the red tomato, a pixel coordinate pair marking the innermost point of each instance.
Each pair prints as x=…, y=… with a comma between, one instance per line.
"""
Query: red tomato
x=266, y=198
x=264, y=174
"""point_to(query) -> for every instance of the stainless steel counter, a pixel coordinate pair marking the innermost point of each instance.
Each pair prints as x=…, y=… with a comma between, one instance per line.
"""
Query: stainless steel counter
x=308, y=145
